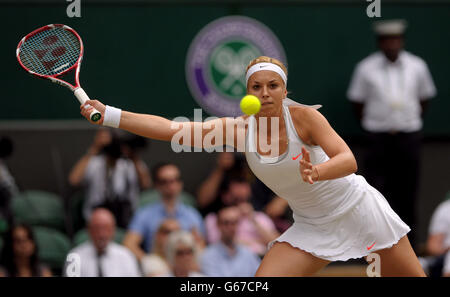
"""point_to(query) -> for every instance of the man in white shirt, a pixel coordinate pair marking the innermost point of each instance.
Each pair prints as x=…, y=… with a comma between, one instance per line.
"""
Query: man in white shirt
x=100, y=256
x=109, y=179
x=390, y=90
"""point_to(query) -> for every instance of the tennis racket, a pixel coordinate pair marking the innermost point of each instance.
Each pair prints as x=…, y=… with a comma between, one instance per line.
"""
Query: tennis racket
x=52, y=51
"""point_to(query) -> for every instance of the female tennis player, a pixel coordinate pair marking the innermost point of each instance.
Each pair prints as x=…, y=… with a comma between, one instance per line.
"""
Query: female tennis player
x=337, y=214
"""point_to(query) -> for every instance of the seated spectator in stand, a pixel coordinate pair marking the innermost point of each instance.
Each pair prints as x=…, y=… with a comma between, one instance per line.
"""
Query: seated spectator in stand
x=438, y=242
x=155, y=264
x=233, y=166
x=110, y=180
x=141, y=231
x=255, y=229
x=19, y=255
x=227, y=258
x=101, y=256
x=182, y=252
x=8, y=187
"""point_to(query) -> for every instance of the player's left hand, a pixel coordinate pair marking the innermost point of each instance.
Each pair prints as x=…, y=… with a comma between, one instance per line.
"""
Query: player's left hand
x=306, y=167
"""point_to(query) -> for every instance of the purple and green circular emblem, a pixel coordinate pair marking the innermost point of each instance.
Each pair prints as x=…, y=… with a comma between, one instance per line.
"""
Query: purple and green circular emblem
x=217, y=59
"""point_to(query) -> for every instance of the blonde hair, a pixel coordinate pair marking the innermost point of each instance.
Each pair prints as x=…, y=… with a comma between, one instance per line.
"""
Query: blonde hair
x=177, y=238
x=265, y=59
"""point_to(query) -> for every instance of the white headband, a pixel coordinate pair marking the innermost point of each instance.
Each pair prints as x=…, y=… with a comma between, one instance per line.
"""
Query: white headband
x=266, y=66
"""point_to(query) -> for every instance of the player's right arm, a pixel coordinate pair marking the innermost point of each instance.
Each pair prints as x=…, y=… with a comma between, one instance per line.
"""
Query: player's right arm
x=159, y=128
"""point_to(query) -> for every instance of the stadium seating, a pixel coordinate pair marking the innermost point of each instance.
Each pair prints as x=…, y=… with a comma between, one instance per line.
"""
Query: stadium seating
x=53, y=246
x=76, y=211
x=39, y=208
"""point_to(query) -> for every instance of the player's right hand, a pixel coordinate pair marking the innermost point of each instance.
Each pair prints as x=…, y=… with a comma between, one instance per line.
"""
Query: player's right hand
x=88, y=107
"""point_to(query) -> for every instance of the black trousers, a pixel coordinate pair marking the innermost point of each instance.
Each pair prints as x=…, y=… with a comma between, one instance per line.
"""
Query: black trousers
x=392, y=166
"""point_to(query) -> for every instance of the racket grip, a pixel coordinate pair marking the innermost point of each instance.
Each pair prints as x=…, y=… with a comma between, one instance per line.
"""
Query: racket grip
x=83, y=97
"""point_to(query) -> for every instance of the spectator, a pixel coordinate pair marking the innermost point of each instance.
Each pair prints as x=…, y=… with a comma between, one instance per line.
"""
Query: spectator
x=8, y=187
x=20, y=254
x=208, y=191
x=155, y=264
x=227, y=258
x=167, y=181
x=438, y=241
x=132, y=146
x=182, y=252
x=390, y=90
x=100, y=256
x=255, y=229
x=110, y=180
x=231, y=166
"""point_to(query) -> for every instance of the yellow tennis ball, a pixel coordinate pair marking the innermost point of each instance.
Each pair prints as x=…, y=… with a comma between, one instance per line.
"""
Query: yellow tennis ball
x=250, y=105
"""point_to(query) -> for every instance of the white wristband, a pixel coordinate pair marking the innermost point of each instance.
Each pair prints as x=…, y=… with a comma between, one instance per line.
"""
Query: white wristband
x=112, y=117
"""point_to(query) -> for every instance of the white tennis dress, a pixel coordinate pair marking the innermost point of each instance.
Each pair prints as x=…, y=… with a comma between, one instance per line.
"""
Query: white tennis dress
x=335, y=220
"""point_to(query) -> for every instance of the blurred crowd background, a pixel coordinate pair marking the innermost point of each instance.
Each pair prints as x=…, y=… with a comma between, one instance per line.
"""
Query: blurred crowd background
x=129, y=206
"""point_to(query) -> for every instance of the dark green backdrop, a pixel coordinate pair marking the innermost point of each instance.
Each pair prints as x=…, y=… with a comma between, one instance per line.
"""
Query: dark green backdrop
x=135, y=54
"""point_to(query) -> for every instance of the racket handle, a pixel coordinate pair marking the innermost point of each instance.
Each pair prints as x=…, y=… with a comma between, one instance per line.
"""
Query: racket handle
x=83, y=97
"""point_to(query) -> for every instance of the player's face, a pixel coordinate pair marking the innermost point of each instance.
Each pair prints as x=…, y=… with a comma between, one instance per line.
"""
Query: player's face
x=269, y=87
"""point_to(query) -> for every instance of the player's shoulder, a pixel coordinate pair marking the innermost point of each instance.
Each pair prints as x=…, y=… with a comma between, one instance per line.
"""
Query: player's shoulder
x=302, y=114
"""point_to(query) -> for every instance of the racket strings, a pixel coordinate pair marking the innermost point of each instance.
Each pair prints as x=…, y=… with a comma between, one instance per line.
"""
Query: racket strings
x=50, y=52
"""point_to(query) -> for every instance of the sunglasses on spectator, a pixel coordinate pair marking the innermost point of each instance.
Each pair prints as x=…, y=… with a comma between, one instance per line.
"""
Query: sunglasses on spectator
x=167, y=230
x=168, y=181
x=228, y=222
x=184, y=252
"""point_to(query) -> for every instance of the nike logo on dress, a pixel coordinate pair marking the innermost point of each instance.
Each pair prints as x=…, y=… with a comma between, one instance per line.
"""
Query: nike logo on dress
x=370, y=247
x=295, y=158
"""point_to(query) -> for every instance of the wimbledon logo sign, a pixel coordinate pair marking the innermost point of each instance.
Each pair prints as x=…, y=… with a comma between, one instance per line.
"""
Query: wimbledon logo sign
x=217, y=59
